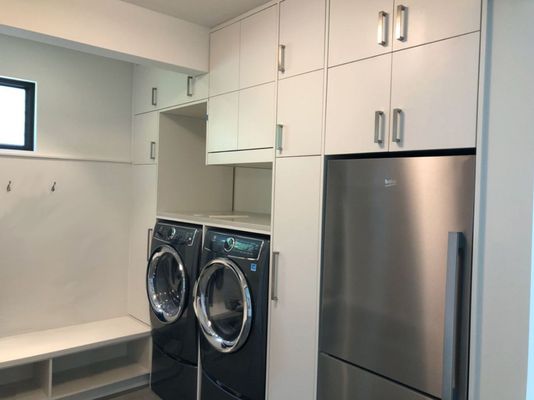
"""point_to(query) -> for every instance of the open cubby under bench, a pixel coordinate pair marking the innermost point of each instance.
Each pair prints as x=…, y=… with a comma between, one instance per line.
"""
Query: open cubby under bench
x=83, y=361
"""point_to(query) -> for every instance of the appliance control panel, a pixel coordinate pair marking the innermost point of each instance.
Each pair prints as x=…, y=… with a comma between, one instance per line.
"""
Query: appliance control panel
x=234, y=246
x=175, y=234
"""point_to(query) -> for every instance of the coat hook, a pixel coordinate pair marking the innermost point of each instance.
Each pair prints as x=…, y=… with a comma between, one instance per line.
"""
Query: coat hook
x=8, y=188
x=53, y=188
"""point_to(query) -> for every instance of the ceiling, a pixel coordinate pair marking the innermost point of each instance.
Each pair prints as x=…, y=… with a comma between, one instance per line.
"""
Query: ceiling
x=203, y=12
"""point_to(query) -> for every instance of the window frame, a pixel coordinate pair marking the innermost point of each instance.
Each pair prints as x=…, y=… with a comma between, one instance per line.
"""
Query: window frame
x=29, y=119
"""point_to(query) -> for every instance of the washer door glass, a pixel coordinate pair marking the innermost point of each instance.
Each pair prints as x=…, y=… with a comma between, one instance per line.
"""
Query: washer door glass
x=223, y=305
x=167, y=284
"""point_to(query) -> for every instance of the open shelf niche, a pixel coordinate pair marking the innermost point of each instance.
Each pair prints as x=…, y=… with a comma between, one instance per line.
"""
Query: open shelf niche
x=26, y=382
x=235, y=196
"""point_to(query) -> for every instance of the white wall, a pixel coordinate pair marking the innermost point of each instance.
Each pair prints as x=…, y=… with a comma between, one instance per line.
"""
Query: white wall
x=502, y=291
x=110, y=28
x=64, y=254
x=253, y=189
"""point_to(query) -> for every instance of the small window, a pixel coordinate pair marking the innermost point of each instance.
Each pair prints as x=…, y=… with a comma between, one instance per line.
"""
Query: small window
x=17, y=113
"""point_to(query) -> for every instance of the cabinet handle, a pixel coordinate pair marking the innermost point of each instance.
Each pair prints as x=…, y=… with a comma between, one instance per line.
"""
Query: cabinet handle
x=379, y=127
x=154, y=96
x=282, y=58
x=152, y=150
x=400, y=23
x=190, y=86
x=382, y=32
x=279, y=134
x=397, y=125
x=148, y=243
x=274, y=276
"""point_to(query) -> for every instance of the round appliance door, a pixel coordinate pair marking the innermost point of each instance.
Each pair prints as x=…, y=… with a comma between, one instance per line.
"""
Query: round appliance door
x=223, y=305
x=167, y=284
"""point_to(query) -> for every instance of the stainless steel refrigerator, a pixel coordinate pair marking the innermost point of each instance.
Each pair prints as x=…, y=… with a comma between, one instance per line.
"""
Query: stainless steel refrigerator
x=396, y=278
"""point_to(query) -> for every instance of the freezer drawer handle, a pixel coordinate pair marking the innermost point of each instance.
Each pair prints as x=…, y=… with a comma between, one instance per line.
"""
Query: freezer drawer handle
x=400, y=23
x=379, y=127
x=190, y=86
x=382, y=32
x=452, y=306
x=274, y=277
x=282, y=58
x=148, y=243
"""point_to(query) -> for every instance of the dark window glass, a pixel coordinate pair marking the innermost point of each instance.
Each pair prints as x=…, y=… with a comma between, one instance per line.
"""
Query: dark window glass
x=17, y=114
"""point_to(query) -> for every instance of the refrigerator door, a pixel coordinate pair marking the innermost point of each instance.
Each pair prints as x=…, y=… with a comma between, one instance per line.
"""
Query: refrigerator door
x=391, y=227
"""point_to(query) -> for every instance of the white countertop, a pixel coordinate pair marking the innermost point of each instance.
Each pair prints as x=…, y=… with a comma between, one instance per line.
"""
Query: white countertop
x=240, y=221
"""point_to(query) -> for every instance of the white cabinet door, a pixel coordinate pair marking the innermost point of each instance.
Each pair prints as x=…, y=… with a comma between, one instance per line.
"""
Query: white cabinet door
x=359, y=29
x=302, y=35
x=357, y=114
x=300, y=114
x=145, y=138
x=256, y=117
x=434, y=95
x=293, y=333
x=423, y=21
x=197, y=88
x=224, y=60
x=142, y=219
x=257, y=56
x=223, y=122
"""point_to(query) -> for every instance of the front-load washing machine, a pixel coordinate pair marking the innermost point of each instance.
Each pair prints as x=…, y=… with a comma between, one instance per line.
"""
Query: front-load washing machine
x=231, y=303
x=171, y=274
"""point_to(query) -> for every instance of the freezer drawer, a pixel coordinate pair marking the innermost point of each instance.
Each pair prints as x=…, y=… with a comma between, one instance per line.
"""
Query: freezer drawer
x=342, y=381
x=396, y=268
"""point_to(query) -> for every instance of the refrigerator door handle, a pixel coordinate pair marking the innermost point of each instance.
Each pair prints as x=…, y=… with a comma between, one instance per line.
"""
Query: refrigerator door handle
x=452, y=307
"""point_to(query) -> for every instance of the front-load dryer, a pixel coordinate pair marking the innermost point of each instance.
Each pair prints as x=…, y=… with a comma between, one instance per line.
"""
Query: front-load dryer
x=171, y=274
x=231, y=303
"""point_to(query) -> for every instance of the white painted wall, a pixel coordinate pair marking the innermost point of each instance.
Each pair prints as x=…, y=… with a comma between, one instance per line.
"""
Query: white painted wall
x=253, y=189
x=64, y=255
x=110, y=28
x=502, y=291
x=83, y=101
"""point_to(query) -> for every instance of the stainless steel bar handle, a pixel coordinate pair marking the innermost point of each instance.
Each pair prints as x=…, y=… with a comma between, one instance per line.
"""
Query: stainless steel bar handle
x=190, y=86
x=452, y=303
x=282, y=58
x=382, y=32
x=379, y=127
x=154, y=96
x=274, y=276
x=400, y=23
x=397, y=125
x=152, y=150
x=279, y=137
x=148, y=243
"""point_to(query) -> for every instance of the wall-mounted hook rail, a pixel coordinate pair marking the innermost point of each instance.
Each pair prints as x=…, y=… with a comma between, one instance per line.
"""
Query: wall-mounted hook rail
x=8, y=188
x=53, y=188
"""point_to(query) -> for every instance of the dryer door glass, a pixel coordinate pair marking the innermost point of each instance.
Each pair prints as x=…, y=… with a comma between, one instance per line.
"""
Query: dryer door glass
x=223, y=305
x=167, y=284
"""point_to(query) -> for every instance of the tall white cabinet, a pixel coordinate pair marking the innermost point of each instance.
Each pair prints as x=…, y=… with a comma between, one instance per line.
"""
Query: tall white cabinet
x=293, y=333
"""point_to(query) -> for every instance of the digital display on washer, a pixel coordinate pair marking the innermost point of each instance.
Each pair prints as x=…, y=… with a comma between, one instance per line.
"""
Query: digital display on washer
x=236, y=246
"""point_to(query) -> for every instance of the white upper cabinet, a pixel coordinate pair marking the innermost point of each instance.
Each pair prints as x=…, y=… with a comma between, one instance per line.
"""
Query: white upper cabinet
x=423, y=21
x=145, y=138
x=300, y=115
x=302, y=36
x=357, y=115
x=359, y=29
x=256, y=117
x=257, y=56
x=434, y=95
x=155, y=89
x=224, y=60
x=223, y=122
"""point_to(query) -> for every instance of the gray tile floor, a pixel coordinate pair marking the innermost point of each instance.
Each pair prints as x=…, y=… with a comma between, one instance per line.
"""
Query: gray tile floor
x=141, y=394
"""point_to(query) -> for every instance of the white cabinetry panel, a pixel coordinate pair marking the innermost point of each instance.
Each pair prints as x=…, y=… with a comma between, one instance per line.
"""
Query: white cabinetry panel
x=356, y=92
x=145, y=138
x=256, y=117
x=257, y=58
x=224, y=60
x=300, y=112
x=223, y=122
x=293, y=334
x=354, y=29
x=430, y=20
x=436, y=87
x=302, y=32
